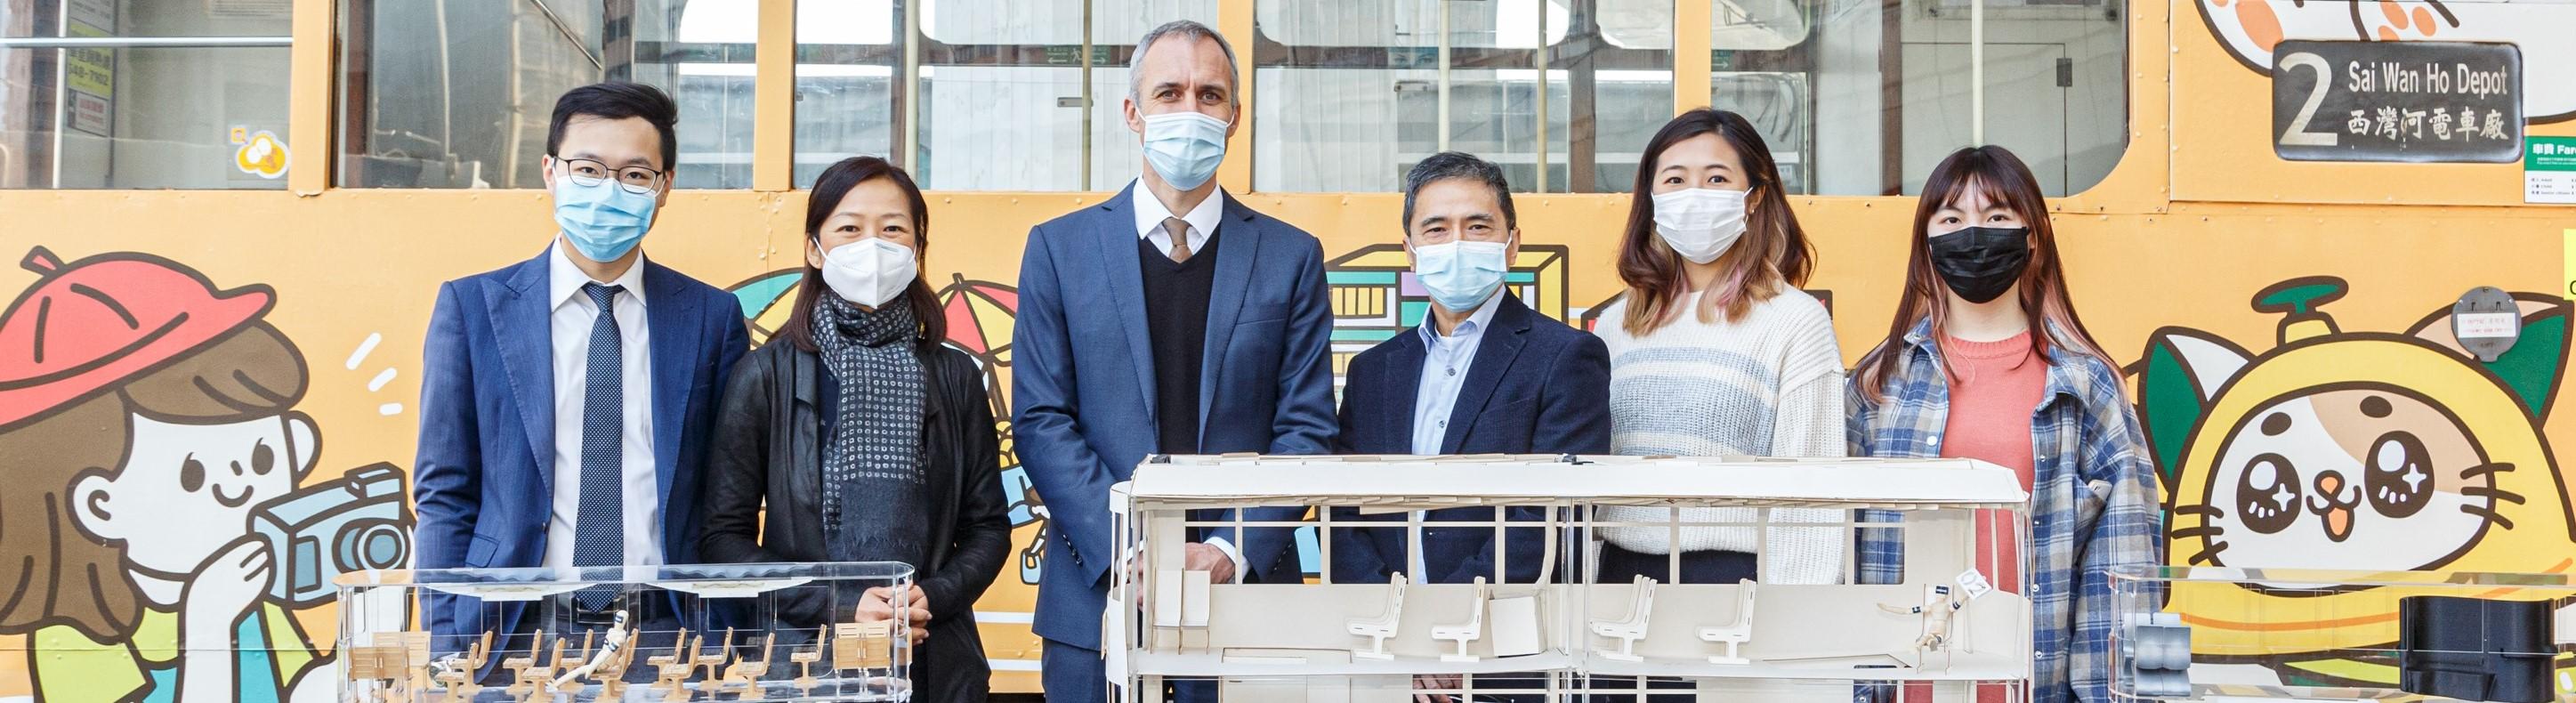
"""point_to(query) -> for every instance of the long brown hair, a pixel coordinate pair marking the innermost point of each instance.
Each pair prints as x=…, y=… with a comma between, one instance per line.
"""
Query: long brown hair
x=1774, y=251
x=65, y=576
x=829, y=188
x=2044, y=301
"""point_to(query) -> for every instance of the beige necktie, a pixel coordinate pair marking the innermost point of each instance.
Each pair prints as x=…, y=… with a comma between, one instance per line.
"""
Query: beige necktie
x=1179, y=230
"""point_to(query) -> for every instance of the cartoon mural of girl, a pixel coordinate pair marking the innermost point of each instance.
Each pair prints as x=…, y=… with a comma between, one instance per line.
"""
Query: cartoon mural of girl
x=146, y=417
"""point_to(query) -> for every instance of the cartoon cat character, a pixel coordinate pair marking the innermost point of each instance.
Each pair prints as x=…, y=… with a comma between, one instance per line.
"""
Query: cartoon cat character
x=2350, y=451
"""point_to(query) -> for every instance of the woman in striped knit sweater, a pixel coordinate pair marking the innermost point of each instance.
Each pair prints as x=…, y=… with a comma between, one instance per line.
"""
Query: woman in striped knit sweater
x=1714, y=351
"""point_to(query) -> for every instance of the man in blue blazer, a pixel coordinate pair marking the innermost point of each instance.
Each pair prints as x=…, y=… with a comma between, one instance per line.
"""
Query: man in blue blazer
x=565, y=400
x=1482, y=374
x=1169, y=319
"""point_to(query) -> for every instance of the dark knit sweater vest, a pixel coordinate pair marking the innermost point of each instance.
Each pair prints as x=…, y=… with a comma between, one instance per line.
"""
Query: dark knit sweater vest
x=1176, y=310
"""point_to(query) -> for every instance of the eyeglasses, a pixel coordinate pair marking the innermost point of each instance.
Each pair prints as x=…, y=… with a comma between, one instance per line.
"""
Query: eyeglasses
x=633, y=179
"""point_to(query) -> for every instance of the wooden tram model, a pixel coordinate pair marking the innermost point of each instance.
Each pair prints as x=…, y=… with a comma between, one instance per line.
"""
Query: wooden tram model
x=738, y=619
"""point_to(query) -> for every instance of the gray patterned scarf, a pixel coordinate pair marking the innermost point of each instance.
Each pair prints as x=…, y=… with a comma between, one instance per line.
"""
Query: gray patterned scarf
x=876, y=440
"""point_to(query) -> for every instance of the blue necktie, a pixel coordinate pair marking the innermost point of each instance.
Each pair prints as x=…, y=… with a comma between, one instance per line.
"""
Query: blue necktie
x=599, y=529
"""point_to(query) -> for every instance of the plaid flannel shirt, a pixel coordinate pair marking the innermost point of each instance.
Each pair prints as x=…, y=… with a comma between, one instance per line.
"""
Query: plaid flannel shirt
x=2093, y=502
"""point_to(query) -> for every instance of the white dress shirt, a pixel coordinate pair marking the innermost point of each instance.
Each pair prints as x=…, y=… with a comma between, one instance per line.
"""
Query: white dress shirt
x=1445, y=360
x=573, y=316
x=1202, y=219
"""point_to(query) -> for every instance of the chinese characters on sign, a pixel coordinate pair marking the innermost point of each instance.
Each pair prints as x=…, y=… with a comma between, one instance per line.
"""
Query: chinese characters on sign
x=90, y=72
x=2397, y=101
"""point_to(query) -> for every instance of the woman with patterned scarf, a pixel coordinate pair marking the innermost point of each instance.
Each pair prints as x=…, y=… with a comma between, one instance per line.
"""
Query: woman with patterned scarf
x=864, y=437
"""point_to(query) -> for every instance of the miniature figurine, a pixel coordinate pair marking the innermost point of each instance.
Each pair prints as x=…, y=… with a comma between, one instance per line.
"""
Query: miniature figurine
x=611, y=674
x=1940, y=605
x=615, y=645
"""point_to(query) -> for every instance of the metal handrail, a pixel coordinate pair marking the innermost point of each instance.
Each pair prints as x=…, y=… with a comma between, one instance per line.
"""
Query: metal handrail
x=140, y=42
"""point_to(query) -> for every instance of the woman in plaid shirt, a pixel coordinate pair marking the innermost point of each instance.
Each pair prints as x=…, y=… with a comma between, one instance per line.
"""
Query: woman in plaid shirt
x=1985, y=344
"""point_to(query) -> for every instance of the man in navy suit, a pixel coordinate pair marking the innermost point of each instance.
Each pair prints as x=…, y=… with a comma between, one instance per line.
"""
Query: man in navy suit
x=1482, y=374
x=565, y=400
x=1169, y=319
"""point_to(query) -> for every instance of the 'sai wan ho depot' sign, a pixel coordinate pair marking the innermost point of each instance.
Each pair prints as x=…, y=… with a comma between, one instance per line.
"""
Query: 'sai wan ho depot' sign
x=2397, y=101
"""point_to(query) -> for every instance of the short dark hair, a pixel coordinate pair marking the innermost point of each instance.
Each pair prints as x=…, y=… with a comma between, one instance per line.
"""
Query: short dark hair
x=1184, y=29
x=617, y=100
x=1460, y=165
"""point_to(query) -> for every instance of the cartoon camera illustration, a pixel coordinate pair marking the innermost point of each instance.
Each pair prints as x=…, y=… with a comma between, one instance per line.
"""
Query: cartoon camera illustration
x=354, y=523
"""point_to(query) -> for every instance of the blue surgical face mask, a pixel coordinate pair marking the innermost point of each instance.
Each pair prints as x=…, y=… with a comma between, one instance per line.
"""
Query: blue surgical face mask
x=1461, y=274
x=1184, y=147
x=602, y=221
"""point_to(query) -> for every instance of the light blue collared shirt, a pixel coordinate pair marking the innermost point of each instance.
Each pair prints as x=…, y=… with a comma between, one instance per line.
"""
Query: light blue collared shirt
x=1444, y=371
x=1445, y=361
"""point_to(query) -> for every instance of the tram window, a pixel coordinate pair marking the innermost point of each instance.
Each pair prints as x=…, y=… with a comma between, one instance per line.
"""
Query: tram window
x=1002, y=95
x=143, y=94
x=459, y=93
x=1862, y=97
x=846, y=61
x=1349, y=91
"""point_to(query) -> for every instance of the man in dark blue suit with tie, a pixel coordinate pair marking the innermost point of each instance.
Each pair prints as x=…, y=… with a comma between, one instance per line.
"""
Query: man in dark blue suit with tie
x=565, y=400
x=1168, y=319
x=1482, y=374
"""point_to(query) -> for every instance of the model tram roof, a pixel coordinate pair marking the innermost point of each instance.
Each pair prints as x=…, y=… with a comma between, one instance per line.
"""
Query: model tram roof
x=1899, y=484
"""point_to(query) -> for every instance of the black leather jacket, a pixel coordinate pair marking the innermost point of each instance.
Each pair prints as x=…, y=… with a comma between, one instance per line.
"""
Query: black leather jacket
x=767, y=449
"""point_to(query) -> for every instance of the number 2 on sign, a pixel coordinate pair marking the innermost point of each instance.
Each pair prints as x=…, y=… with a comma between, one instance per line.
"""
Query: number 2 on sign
x=2298, y=134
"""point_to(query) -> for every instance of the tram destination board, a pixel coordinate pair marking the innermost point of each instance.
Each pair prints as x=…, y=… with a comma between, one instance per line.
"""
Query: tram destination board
x=2410, y=101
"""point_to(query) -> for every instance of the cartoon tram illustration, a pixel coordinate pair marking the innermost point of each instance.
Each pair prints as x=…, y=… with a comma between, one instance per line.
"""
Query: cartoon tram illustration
x=2349, y=450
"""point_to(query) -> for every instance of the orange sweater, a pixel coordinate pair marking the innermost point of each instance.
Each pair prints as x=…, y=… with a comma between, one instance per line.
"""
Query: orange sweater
x=1995, y=387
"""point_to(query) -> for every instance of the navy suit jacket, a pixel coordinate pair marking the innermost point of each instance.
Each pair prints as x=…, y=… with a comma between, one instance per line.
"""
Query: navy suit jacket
x=1537, y=386
x=1082, y=373
x=484, y=475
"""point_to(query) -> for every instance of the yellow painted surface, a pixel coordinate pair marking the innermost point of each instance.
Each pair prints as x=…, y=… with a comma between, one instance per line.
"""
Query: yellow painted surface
x=2197, y=218
x=2567, y=253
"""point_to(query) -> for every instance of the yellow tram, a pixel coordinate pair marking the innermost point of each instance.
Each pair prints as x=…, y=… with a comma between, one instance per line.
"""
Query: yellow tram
x=314, y=168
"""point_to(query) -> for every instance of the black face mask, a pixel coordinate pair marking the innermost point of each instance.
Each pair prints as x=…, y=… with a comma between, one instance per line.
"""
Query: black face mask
x=1980, y=263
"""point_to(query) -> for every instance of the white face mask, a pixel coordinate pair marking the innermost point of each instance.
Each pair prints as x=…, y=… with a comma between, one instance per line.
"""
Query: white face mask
x=1700, y=223
x=869, y=271
x=1461, y=275
x=1184, y=147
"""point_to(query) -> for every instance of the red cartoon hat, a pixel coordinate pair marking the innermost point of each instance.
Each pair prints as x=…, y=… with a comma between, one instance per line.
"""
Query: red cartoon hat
x=102, y=320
